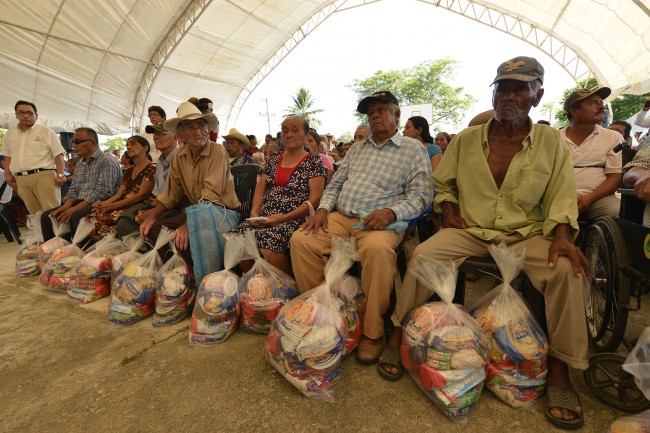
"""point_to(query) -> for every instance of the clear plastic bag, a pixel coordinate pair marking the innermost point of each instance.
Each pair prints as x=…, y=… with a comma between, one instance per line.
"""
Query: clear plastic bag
x=264, y=290
x=27, y=255
x=306, y=343
x=48, y=248
x=175, y=292
x=132, y=297
x=518, y=345
x=91, y=278
x=132, y=243
x=638, y=423
x=637, y=363
x=216, y=311
x=443, y=349
x=64, y=260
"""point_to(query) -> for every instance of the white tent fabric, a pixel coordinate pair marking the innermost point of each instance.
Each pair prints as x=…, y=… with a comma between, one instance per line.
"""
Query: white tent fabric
x=84, y=61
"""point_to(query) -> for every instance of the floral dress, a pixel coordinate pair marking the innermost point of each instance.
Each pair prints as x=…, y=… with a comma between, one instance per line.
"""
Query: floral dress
x=106, y=222
x=284, y=199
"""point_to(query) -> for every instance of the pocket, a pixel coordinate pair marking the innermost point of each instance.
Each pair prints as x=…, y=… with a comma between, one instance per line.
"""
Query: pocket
x=532, y=185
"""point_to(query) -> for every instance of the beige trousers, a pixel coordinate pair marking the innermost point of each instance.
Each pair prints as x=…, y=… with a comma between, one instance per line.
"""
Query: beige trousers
x=376, y=253
x=39, y=191
x=564, y=293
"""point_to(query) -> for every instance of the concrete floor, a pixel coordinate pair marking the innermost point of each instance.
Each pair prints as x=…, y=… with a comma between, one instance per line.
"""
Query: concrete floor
x=64, y=369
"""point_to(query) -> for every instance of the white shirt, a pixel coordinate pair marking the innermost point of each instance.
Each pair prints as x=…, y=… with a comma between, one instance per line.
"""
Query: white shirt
x=641, y=119
x=35, y=148
x=6, y=195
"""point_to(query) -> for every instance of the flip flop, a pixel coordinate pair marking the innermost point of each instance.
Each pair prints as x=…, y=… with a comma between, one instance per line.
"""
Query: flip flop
x=564, y=399
x=390, y=356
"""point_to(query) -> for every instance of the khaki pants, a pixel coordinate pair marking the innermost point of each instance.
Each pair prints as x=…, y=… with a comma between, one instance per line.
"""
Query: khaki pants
x=39, y=191
x=564, y=293
x=376, y=253
x=606, y=206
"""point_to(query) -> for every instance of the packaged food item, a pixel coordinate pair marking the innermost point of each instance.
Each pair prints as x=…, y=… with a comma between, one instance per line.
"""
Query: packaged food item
x=133, y=244
x=61, y=264
x=637, y=363
x=264, y=290
x=132, y=298
x=443, y=349
x=518, y=345
x=175, y=292
x=637, y=423
x=91, y=278
x=47, y=248
x=27, y=255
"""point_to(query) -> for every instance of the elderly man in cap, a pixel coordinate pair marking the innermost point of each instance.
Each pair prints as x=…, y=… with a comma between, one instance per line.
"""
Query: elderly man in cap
x=511, y=181
x=387, y=175
x=597, y=168
x=166, y=144
x=236, y=143
x=199, y=171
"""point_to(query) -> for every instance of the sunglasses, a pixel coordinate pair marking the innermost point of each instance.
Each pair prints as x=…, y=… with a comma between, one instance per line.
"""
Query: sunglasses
x=80, y=140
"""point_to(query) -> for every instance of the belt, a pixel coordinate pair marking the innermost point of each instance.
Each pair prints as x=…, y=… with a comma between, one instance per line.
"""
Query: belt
x=36, y=170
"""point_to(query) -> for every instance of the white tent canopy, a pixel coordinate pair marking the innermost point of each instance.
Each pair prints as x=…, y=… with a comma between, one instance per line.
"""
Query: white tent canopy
x=103, y=62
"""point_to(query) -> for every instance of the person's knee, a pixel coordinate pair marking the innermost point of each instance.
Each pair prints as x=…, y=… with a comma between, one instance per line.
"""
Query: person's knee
x=298, y=240
x=126, y=226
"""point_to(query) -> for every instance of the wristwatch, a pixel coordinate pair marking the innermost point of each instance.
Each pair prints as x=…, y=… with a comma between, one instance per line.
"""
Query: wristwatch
x=60, y=175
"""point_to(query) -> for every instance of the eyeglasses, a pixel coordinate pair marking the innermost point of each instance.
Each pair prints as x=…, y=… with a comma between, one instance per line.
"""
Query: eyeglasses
x=24, y=113
x=80, y=140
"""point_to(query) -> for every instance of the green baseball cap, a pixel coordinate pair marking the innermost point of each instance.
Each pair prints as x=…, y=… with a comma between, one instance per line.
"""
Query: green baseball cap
x=580, y=94
x=521, y=69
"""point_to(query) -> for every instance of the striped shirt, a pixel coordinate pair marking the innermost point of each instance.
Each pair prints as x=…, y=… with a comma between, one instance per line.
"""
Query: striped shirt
x=395, y=175
x=95, y=179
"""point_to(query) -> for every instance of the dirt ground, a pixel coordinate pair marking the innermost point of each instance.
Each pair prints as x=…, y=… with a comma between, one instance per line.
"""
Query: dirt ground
x=63, y=368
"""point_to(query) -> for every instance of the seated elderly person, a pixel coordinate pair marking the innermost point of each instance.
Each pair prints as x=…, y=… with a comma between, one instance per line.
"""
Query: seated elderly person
x=314, y=147
x=166, y=143
x=388, y=176
x=512, y=181
x=637, y=175
x=236, y=142
x=97, y=177
x=137, y=183
x=291, y=185
x=596, y=167
x=199, y=171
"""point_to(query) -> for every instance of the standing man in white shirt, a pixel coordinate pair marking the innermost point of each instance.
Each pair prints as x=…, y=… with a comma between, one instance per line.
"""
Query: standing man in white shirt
x=34, y=157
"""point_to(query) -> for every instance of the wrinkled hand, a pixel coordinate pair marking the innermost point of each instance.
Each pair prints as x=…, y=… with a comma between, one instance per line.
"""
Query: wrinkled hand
x=102, y=206
x=451, y=220
x=313, y=224
x=182, y=237
x=59, y=180
x=642, y=189
x=563, y=246
x=584, y=203
x=65, y=215
x=379, y=219
x=143, y=215
x=145, y=226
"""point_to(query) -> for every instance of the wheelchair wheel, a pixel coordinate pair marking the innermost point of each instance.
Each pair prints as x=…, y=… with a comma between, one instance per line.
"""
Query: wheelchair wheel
x=609, y=288
x=606, y=378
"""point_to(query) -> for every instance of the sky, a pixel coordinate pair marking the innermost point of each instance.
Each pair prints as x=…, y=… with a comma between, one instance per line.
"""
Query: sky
x=391, y=34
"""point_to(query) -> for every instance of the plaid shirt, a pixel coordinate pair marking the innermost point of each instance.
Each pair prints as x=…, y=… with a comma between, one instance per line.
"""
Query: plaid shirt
x=95, y=179
x=641, y=159
x=395, y=175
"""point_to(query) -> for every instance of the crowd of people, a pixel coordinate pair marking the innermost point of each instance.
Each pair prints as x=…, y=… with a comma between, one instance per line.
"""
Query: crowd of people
x=504, y=179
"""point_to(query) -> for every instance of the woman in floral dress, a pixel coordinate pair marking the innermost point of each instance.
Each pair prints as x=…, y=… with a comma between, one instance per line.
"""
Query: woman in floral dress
x=137, y=184
x=291, y=185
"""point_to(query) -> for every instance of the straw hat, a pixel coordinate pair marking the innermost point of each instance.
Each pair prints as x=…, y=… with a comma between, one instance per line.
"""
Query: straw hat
x=189, y=111
x=238, y=136
x=481, y=118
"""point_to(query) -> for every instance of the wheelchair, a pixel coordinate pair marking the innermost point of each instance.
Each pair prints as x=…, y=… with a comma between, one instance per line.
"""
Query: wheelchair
x=618, y=250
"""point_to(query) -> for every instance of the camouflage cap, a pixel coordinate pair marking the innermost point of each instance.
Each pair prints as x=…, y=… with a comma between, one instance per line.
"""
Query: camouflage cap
x=521, y=69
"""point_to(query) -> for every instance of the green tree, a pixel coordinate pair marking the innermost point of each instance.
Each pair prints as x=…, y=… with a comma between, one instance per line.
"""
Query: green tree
x=547, y=109
x=345, y=137
x=623, y=106
x=118, y=143
x=425, y=83
x=303, y=104
x=2, y=137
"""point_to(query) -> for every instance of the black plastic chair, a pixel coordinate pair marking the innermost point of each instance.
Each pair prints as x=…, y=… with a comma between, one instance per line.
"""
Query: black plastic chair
x=245, y=178
x=8, y=225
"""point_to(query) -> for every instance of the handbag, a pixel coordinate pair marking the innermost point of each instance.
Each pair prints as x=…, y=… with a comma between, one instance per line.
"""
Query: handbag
x=207, y=222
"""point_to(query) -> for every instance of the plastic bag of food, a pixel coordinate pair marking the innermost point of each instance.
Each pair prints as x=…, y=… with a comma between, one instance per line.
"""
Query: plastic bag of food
x=132, y=298
x=264, y=290
x=216, y=311
x=637, y=363
x=306, y=342
x=64, y=260
x=27, y=255
x=443, y=349
x=175, y=292
x=48, y=248
x=91, y=278
x=637, y=423
x=132, y=243
x=518, y=345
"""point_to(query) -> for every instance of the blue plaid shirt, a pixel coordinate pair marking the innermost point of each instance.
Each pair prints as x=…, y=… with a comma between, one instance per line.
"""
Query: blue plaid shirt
x=95, y=179
x=395, y=175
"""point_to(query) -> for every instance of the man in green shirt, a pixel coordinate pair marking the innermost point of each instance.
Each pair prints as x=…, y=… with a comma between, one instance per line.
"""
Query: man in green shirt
x=511, y=180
